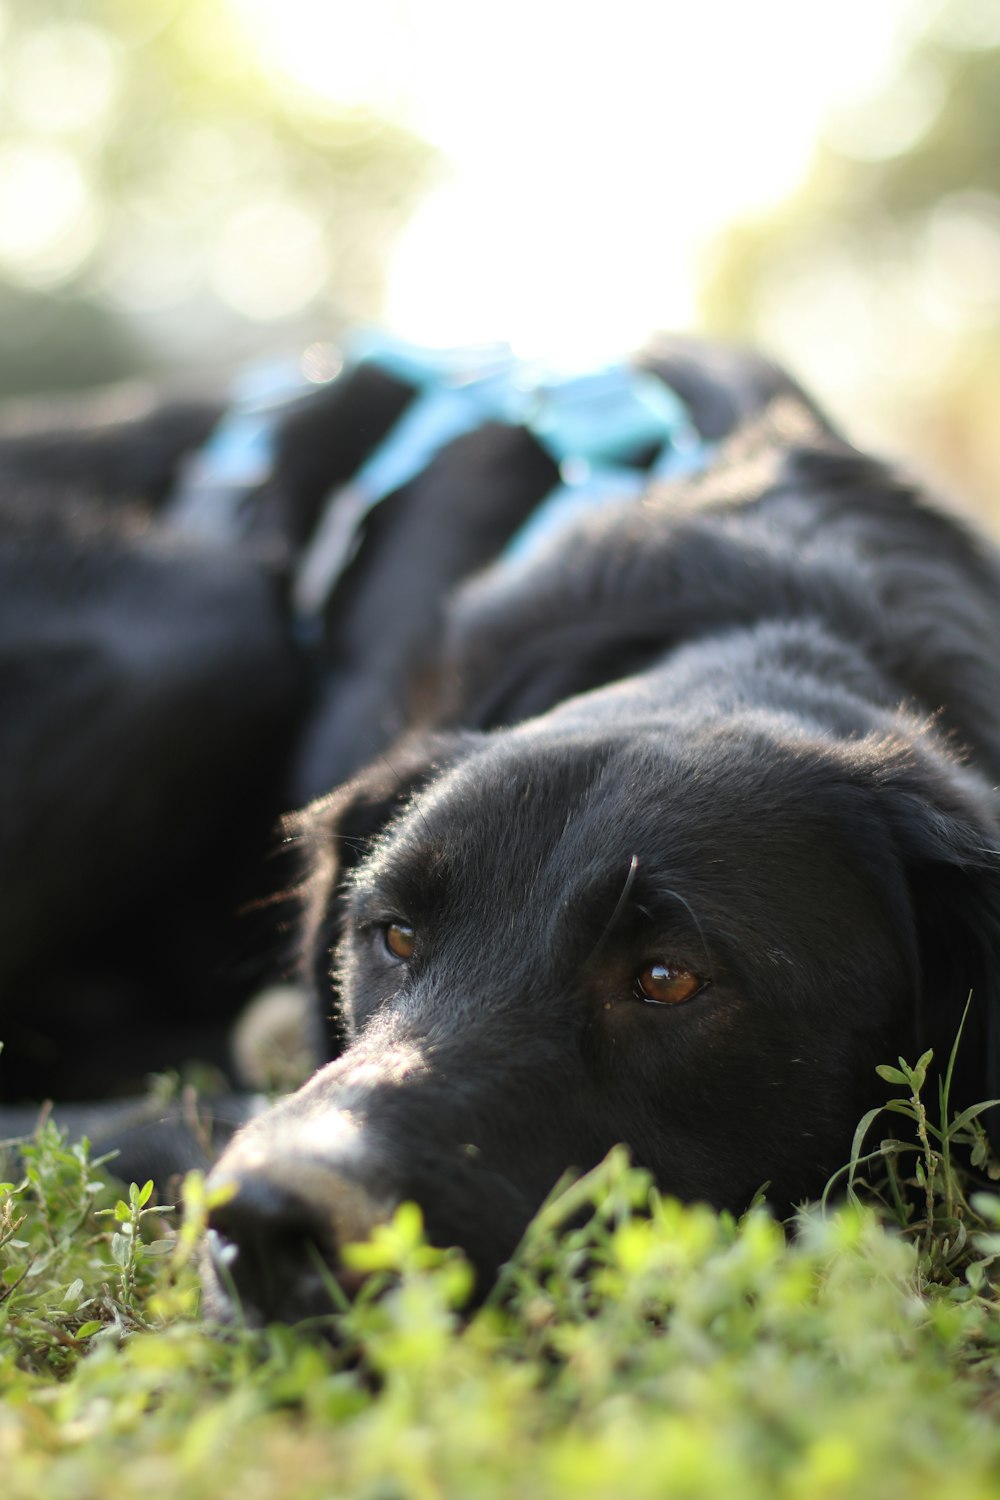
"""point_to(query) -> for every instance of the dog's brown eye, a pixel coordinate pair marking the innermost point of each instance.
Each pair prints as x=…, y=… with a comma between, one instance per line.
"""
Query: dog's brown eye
x=400, y=941
x=660, y=984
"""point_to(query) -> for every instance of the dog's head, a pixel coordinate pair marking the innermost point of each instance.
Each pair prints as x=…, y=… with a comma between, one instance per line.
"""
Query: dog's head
x=696, y=937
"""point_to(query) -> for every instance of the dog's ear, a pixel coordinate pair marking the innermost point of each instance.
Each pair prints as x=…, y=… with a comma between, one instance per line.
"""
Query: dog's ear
x=945, y=825
x=723, y=385
x=335, y=833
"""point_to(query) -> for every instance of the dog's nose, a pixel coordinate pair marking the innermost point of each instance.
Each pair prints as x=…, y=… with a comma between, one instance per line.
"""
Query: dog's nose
x=275, y=1235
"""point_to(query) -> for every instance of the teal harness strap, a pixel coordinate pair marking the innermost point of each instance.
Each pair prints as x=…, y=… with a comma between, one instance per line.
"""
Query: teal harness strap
x=609, y=430
x=239, y=454
x=457, y=390
x=599, y=426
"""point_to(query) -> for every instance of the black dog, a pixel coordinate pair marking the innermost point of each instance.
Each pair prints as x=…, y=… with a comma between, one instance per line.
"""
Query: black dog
x=701, y=828
x=162, y=702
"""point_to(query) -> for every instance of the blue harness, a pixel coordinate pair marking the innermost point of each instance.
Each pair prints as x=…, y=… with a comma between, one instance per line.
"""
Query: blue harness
x=599, y=426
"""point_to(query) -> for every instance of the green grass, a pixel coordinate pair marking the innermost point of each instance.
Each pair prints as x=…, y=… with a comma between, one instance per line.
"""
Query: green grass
x=657, y=1351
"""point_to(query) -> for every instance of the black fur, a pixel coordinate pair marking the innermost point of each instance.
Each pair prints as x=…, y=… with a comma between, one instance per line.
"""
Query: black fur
x=747, y=729
x=158, y=712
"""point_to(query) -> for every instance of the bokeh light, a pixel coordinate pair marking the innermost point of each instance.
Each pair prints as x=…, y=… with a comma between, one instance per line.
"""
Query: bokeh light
x=61, y=79
x=48, y=223
x=269, y=260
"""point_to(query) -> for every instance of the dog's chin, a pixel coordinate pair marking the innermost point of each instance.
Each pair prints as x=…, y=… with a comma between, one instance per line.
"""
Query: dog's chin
x=313, y=1299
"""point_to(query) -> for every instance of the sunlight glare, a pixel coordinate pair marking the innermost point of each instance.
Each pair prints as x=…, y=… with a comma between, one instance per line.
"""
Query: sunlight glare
x=354, y=55
x=591, y=152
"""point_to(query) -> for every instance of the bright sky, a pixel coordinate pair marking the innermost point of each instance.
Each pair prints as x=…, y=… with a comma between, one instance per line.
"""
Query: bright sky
x=591, y=148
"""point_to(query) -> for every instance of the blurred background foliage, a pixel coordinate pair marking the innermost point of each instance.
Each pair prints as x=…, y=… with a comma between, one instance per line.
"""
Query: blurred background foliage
x=879, y=279
x=169, y=202
x=160, y=198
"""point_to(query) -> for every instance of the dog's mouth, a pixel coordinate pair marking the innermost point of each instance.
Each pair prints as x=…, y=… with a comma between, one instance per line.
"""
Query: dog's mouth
x=276, y=1232
x=294, y=1283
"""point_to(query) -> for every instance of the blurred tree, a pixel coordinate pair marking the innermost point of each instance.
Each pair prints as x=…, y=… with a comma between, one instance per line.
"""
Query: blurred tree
x=159, y=191
x=880, y=279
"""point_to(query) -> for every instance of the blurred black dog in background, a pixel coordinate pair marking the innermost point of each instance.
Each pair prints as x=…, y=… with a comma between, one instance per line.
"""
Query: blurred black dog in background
x=690, y=824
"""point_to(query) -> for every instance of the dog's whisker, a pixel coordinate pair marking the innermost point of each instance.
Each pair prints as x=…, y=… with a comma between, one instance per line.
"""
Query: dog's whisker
x=620, y=905
x=683, y=901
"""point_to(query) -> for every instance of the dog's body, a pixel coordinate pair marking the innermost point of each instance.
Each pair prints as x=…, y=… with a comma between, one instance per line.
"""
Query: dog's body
x=694, y=826
x=703, y=829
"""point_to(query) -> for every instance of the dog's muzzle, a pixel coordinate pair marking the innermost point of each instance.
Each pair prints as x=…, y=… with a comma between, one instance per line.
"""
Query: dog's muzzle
x=322, y=1168
x=281, y=1214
